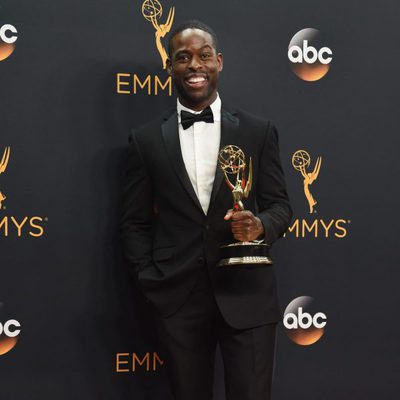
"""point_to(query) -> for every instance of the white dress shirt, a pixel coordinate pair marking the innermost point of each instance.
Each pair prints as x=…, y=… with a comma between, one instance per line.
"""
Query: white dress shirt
x=200, y=147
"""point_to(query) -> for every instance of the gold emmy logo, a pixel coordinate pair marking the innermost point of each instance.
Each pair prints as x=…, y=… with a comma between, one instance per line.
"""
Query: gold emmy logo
x=301, y=161
x=133, y=362
x=152, y=11
x=19, y=225
x=3, y=166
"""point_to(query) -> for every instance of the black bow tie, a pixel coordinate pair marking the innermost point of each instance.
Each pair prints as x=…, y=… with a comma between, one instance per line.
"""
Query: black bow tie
x=188, y=118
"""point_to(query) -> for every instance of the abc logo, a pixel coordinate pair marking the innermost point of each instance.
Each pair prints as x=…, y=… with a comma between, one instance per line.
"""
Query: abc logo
x=303, y=54
x=304, y=320
x=10, y=328
x=302, y=324
x=9, y=331
x=8, y=37
x=309, y=59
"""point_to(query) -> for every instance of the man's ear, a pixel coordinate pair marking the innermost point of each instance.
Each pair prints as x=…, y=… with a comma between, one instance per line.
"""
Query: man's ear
x=169, y=66
x=220, y=60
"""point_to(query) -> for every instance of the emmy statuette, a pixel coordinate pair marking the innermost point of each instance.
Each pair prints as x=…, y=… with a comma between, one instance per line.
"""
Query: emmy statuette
x=232, y=162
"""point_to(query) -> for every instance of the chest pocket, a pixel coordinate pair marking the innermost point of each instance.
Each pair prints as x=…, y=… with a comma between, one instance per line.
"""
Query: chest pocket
x=163, y=253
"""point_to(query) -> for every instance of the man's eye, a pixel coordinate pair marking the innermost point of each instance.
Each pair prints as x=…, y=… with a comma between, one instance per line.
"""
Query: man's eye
x=205, y=55
x=183, y=57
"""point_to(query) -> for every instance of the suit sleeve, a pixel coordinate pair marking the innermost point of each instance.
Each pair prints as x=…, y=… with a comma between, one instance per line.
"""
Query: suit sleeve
x=272, y=198
x=136, y=225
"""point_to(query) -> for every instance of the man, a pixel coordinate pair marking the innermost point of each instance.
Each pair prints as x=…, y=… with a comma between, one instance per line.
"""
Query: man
x=176, y=215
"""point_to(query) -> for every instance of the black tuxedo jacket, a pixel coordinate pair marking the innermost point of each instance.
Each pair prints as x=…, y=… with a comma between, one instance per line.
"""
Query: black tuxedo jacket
x=168, y=239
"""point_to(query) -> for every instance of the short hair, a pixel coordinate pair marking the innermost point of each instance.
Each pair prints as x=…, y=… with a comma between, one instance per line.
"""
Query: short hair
x=192, y=24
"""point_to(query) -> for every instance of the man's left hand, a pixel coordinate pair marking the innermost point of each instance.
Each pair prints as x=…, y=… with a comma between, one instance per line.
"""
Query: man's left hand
x=245, y=225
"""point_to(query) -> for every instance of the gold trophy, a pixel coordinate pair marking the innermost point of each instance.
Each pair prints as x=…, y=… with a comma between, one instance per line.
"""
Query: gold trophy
x=232, y=161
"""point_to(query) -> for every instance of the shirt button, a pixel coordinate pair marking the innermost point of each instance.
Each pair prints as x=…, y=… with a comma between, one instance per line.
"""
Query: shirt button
x=200, y=260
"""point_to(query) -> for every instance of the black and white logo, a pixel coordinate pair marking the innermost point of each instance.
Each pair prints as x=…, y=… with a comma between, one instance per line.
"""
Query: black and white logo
x=304, y=323
x=309, y=56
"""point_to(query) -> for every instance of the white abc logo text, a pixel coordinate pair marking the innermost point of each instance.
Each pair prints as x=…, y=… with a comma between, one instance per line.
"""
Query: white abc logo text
x=10, y=328
x=303, y=54
x=304, y=320
x=5, y=34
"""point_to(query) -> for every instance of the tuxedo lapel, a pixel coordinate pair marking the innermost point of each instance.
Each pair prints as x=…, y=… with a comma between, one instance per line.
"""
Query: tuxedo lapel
x=171, y=138
x=229, y=135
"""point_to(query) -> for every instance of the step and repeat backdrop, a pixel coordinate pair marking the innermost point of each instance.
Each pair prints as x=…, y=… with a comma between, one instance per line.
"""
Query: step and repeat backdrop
x=75, y=76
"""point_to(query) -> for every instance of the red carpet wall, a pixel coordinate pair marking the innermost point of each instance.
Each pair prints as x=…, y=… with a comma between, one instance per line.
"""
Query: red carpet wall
x=75, y=76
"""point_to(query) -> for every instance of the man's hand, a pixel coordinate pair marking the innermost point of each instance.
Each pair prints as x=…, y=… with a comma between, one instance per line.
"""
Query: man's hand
x=245, y=225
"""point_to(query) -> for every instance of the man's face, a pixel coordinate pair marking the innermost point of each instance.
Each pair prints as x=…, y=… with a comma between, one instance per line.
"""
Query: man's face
x=194, y=66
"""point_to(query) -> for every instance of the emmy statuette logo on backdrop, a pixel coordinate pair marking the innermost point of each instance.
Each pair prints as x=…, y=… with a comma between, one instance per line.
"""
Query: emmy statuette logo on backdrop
x=308, y=226
x=301, y=161
x=16, y=225
x=152, y=85
x=3, y=167
x=152, y=11
x=8, y=38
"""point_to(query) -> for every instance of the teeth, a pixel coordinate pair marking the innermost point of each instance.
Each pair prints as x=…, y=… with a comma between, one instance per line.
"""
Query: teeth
x=196, y=79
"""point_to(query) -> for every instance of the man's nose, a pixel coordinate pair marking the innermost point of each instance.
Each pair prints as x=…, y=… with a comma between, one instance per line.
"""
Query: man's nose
x=195, y=63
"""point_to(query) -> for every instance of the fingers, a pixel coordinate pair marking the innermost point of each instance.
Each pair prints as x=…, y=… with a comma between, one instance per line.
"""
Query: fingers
x=245, y=229
x=244, y=222
x=244, y=237
x=242, y=215
x=228, y=215
x=244, y=225
x=243, y=233
x=238, y=215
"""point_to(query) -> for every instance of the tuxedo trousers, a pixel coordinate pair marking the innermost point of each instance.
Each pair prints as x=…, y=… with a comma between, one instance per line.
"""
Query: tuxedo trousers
x=189, y=339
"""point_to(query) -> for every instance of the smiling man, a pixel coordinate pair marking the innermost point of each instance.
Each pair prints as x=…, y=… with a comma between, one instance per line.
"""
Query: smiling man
x=177, y=214
x=194, y=66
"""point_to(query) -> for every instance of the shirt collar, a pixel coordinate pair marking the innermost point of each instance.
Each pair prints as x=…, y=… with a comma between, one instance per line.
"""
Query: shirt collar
x=215, y=107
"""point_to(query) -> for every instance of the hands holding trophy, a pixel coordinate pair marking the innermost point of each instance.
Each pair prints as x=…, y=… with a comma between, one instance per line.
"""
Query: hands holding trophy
x=232, y=161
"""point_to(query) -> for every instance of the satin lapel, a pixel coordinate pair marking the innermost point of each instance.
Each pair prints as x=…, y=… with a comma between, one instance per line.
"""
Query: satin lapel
x=171, y=139
x=229, y=135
